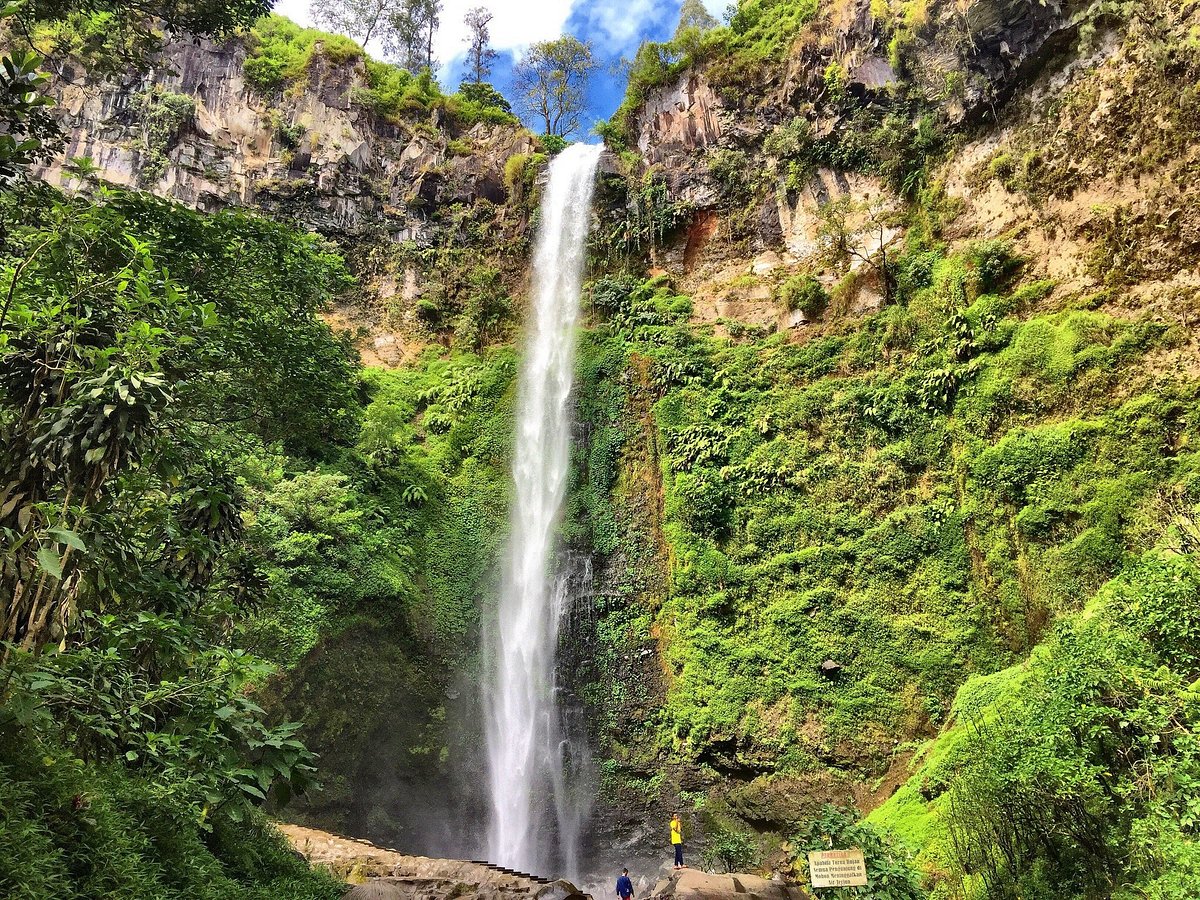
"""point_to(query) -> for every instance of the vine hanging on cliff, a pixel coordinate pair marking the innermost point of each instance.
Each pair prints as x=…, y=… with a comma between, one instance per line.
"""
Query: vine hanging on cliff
x=651, y=215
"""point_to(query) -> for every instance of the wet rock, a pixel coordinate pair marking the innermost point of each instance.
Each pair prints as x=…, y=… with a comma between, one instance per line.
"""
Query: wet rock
x=378, y=889
x=560, y=890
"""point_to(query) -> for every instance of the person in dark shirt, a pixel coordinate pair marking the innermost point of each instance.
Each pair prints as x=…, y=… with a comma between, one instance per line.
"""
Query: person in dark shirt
x=624, y=886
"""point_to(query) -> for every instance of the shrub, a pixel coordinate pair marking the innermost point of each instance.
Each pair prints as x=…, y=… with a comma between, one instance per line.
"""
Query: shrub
x=730, y=849
x=552, y=144
x=890, y=873
x=429, y=312
x=484, y=95
x=806, y=294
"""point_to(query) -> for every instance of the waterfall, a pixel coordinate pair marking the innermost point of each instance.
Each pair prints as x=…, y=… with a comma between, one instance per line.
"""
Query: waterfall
x=529, y=754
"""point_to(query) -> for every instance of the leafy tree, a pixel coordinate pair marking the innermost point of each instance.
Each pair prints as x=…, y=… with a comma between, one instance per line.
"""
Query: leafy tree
x=116, y=376
x=117, y=35
x=25, y=121
x=479, y=53
x=485, y=95
x=551, y=83
x=359, y=19
x=413, y=25
x=216, y=17
x=857, y=233
x=693, y=17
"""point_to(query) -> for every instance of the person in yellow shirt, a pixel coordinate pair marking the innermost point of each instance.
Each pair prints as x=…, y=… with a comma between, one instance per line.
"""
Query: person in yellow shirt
x=677, y=840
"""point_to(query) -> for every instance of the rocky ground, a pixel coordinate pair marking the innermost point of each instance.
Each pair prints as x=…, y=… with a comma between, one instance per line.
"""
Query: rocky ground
x=378, y=873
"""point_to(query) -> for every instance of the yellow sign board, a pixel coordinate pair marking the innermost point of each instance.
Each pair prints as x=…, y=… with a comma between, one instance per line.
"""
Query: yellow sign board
x=837, y=868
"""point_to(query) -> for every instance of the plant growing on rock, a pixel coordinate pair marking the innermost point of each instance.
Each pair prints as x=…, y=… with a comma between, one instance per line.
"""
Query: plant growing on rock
x=164, y=116
x=858, y=233
x=806, y=294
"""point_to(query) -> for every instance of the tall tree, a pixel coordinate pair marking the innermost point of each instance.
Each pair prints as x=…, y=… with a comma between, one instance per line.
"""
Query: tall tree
x=693, y=15
x=413, y=25
x=359, y=19
x=551, y=83
x=480, y=54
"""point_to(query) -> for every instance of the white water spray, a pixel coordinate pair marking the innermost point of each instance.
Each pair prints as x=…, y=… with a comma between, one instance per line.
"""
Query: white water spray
x=527, y=751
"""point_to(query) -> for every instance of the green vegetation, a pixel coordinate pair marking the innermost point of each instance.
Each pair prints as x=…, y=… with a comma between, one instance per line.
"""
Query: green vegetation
x=281, y=54
x=149, y=353
x=1074, y=774
x=978, y=502
x=73, y=829
x=890, y=874
x=805, y=294
x=163, y=116
x=115, y=37
x=917, y=498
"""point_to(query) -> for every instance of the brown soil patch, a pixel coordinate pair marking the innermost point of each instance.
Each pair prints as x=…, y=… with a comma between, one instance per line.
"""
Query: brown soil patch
x=378, y=347
x=870, y=796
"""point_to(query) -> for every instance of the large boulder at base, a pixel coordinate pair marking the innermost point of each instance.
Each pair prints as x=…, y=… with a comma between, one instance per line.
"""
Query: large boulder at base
x=692, y=884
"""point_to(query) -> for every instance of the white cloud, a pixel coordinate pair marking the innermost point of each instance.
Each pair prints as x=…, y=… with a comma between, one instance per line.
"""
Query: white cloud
x=619, y=24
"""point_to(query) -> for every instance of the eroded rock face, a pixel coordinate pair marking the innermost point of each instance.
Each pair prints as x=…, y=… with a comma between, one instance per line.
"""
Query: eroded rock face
x=985, y=48
x=677, y=124
x=314, y=154
x=681, y=118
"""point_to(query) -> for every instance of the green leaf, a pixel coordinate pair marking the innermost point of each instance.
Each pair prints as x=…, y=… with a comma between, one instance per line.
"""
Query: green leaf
x=68, y=537
x=50, y=562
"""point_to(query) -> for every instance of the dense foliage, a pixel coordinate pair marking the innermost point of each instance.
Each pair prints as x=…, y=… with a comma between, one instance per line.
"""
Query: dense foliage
x=953, y=538
x=915, y=498
x=1074, y=774
x=821, y=502
x=148, y=353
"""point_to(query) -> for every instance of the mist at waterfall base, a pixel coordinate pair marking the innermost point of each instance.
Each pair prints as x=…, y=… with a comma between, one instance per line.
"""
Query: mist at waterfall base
x=540, y=776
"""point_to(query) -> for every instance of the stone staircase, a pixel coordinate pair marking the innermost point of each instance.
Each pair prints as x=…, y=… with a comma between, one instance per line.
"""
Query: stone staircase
x=384, y=873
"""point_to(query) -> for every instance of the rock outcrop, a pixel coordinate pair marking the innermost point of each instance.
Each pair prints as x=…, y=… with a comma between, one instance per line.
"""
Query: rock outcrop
x=691, y=884
x=383, y=874
x=961, y=63
x=314, y=154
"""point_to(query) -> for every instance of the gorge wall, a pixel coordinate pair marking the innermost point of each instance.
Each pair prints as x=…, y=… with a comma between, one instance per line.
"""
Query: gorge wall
x=890, y=367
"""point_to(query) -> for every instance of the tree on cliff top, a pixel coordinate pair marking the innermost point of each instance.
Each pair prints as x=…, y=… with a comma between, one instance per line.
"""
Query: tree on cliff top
x=410, y=38
x=693, y=15
x=551, y=83
x=358, y=19
x=480, y=53
x=405, y=28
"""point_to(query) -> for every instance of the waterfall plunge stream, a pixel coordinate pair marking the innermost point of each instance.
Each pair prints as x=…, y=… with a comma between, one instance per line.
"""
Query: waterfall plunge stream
x=536, y=817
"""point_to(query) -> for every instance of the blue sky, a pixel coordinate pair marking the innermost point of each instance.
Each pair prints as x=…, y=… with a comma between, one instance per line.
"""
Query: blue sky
x=615, y=28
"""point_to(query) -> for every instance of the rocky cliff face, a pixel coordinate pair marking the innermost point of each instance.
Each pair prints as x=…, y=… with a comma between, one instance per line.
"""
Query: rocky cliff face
x=405, y=197
x=955, y=68
x=1048, y=128
x=315, y=153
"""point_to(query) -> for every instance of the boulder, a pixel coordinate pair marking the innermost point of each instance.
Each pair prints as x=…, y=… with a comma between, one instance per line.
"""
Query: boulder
x=692, y=884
